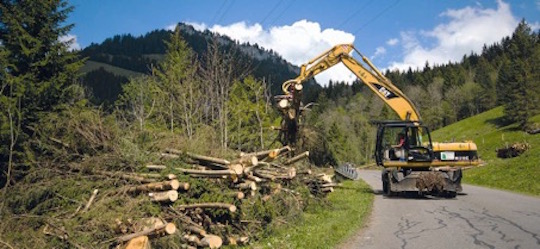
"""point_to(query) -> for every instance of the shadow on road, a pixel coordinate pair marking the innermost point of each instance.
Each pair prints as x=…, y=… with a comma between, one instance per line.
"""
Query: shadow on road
x=411, y=195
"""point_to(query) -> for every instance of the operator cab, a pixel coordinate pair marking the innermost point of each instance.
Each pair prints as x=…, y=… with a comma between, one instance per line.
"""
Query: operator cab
x=401, y=142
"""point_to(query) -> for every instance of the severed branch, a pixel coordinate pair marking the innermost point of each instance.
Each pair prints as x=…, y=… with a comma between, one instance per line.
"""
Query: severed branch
x=94, y=193
x=297, y=158
x=158, y=186
x=164, y=229
x=230, y=207
x=155, y=167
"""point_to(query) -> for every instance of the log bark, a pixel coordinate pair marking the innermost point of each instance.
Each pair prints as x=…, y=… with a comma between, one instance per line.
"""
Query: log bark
x=167, y=196
x=297, y=158
x=155, y=167
x=265, y=176
x=156, y=186
x=169, y=156
x=254, y=178
x=230, y=207
x=238, y=195
x=207, y=172
x=207, y=159
x=196, y=230
x=247, y=185
x=165, y=229
x=247, y=161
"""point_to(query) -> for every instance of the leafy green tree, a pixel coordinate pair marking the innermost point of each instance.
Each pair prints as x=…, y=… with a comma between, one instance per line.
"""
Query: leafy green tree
x=250, y=115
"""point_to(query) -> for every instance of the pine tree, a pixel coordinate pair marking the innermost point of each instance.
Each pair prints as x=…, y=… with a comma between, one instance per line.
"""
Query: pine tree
x=30, y=31
x=516, y=84
x=38, y=71
x=179, y=90
x=487, y=96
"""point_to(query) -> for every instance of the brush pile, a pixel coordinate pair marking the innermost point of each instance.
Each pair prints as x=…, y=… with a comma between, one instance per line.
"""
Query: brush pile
x=182, y=200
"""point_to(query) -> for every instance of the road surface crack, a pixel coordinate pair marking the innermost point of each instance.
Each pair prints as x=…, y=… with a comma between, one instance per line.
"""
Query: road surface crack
x=509, y=222
x=476, y=235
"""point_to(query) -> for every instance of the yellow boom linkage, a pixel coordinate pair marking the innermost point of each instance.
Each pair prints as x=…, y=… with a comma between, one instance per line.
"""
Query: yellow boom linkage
x=405, y=170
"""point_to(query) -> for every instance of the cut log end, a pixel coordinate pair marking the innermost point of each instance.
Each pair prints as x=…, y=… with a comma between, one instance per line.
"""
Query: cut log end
x=212, y=241
x=170, y=228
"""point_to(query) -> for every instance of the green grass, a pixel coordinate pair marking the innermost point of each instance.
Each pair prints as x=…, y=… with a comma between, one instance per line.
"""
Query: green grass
x=94, y=65
x=328, y=225
x=487, y=131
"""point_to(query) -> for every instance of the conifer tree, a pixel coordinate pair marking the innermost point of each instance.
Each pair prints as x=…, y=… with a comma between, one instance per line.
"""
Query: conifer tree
x=38, y=71
x=516, y=85
x=488, y=95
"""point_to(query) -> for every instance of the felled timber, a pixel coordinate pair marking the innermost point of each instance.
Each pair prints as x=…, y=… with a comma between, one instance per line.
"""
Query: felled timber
x=232, y=208
x=167, y=196
x=297, y=158
x=164, y=229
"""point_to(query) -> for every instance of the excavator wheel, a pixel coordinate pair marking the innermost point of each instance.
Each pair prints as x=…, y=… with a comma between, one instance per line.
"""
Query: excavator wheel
x=386, y=183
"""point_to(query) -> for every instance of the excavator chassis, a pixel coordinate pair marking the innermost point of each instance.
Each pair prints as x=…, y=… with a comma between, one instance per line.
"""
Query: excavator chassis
x=436, y=182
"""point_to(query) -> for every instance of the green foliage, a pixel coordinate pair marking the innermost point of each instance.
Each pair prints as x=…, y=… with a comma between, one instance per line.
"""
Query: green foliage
x=343, y=130
x=250, y=116
x=518, y=82
x=38, y=73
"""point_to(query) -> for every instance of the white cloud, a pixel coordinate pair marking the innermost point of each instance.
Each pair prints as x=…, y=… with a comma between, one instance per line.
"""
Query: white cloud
x=71, y=41
x=170, y=27
x=535, y=26
x=392, y=42
x=468, y=29
x=378, y=52
x=297, y=43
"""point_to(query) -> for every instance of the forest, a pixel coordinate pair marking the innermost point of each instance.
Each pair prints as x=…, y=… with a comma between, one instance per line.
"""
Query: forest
x=201, y=93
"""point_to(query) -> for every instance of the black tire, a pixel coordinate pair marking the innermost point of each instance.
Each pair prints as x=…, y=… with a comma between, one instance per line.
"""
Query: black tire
x=385, y=183
x=450, y=194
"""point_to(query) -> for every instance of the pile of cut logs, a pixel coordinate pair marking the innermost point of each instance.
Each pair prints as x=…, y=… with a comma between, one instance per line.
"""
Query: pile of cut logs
x=513, y=150
x=259, y=174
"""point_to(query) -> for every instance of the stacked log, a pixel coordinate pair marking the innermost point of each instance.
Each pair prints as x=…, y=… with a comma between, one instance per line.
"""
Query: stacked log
x=321, y=184
x=514, y=150
x=263, y=174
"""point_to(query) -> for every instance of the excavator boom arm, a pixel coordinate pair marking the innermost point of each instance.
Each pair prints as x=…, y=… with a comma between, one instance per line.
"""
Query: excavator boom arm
x=367, y=73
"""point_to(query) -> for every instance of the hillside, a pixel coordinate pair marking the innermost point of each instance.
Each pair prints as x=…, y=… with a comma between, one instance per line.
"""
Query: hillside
x=489, y=132
x=127, y=56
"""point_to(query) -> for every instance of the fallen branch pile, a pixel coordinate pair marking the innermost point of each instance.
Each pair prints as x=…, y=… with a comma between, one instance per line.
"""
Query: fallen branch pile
x=209, y=201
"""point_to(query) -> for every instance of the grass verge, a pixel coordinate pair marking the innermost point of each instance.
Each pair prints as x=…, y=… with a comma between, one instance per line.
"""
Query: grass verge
x=326, y=226
x=489, y=133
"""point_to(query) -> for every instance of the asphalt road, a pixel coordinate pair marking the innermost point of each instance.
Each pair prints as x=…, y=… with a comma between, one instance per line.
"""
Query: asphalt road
x=478, y=218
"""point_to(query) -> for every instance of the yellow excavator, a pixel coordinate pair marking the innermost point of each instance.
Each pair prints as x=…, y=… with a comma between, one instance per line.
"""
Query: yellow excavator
x=410, y=160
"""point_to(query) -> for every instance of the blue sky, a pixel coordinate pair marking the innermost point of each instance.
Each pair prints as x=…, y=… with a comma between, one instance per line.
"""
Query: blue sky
x=395, y=34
